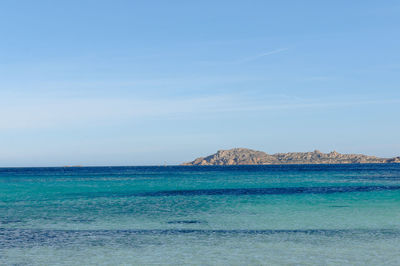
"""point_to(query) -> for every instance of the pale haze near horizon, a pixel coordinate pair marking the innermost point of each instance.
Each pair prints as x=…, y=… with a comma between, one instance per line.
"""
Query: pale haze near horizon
x=148, y=82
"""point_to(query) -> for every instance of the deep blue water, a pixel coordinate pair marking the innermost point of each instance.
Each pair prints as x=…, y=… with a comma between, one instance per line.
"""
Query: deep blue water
x=222, y=215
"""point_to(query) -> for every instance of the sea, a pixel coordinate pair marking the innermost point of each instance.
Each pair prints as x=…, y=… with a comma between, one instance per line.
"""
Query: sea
x=201, y=215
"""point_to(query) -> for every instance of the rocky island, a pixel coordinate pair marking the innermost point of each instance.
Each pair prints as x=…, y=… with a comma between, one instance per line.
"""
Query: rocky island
x=242, y=156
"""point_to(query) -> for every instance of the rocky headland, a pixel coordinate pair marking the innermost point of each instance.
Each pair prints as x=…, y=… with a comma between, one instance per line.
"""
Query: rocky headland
x=242, y=156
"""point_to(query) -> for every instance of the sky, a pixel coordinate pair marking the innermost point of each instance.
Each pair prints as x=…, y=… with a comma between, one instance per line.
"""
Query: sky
x=94, y=82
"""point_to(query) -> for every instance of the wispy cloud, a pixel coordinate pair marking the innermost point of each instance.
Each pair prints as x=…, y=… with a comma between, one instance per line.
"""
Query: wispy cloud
x=61, y=112
x=252, y=58
x=245, y=59
x=296, y=105
x=317, y=78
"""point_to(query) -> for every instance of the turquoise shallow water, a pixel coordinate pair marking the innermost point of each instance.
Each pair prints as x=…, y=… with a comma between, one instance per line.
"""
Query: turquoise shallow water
x=236, y=215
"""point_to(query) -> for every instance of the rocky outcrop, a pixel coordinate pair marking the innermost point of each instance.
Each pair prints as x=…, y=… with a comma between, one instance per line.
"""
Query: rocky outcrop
x=394, y=160
x=242, y=156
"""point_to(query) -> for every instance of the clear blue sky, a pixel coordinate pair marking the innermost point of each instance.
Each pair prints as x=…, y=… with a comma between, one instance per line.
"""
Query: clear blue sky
x=143, y=82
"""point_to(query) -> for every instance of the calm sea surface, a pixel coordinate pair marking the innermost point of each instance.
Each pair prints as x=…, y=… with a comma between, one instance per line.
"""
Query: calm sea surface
x=233, y=215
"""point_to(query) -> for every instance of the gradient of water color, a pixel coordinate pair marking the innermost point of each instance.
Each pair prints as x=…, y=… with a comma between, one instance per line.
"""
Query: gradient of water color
x=235, y=215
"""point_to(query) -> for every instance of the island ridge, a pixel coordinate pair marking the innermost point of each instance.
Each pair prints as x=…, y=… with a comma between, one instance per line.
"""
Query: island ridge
x=243, y=156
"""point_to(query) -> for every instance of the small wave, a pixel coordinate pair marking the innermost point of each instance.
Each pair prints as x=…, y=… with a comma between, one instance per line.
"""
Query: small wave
x=270, y=191
x=186, y=222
